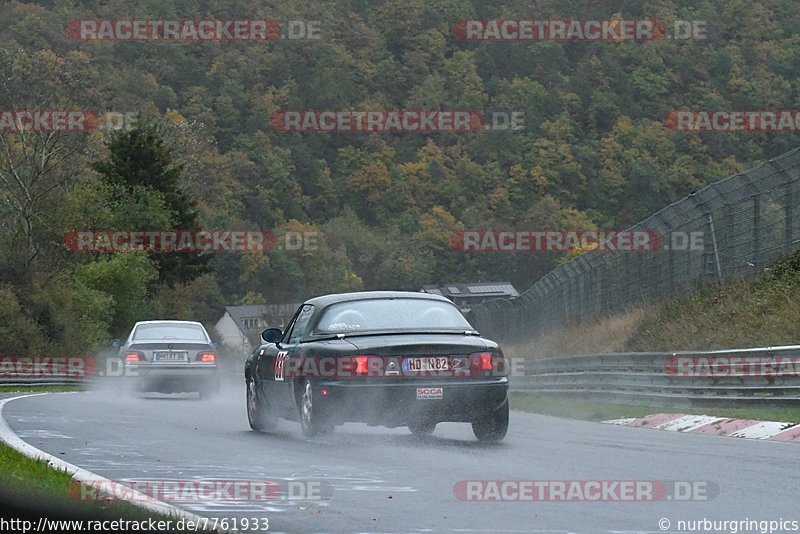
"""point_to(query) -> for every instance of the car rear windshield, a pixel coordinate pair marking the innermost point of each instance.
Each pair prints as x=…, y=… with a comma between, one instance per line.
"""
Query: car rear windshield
x=189, y=332
x=391, y=314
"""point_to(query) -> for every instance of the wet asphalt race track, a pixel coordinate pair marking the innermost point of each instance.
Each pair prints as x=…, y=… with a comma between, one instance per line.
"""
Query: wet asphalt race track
x=386, y=480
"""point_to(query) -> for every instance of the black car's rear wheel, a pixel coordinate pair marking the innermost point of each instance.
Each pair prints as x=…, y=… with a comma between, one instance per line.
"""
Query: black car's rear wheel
x=494, y=426
x=312, y=420
x=258, y=413
x=422, y=428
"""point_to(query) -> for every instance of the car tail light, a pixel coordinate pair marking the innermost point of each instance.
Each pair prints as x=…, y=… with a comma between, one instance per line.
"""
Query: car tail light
x=134, y=357
x=362, y=365
x=487, y=364
x=208, y=357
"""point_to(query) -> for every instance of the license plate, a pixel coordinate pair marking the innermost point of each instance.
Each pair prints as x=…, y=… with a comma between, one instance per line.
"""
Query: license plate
x=426, y=364
x=171, y=356
x=430, y=393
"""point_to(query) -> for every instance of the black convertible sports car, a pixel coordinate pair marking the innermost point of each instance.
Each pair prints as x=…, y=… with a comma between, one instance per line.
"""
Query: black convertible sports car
x=384, y=358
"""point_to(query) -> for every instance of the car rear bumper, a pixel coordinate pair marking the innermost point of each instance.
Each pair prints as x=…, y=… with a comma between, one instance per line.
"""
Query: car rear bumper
x=173, y=378
x=398, y=404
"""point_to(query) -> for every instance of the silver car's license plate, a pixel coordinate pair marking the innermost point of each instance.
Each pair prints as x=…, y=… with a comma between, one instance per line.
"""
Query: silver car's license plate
x=171, y=356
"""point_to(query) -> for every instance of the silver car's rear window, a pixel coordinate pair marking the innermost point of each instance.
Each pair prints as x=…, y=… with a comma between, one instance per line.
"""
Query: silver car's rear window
x=170, y=331
x=391, y=314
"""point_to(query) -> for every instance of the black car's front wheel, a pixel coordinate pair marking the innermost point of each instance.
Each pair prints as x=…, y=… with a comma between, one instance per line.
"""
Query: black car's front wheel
x=494, y=426
x=312, y=420
x=258, y=413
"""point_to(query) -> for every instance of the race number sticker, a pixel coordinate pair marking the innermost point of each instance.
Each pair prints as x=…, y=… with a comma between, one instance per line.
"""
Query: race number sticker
x=280, y=363
x=430, y=393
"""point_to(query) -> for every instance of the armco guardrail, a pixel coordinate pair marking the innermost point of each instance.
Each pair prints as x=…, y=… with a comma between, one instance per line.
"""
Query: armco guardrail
x=50, y=370
x=29, y=371
x=743, y=375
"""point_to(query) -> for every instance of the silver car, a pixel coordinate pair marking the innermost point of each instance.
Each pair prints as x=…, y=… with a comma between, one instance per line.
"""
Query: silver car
x=170, y=357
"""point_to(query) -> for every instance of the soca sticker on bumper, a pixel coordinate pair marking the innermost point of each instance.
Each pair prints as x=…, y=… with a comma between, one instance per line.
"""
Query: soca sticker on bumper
x=430, y=393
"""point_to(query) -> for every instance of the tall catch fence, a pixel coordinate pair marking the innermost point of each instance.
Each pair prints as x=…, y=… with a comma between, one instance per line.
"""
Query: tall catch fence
x=747, y=221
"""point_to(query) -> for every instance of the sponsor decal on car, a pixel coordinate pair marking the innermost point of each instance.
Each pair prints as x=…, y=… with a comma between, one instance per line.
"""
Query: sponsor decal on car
x=430, y=393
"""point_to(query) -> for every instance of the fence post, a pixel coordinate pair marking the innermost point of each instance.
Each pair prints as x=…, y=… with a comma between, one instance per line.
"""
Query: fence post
x=729, y=222
x=714, y=244
x=788, y=206
x=757, y=232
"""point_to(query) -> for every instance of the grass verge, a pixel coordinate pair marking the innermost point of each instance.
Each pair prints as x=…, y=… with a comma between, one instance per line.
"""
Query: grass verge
x=31, y=488
x=606, y=334
x=591, y=410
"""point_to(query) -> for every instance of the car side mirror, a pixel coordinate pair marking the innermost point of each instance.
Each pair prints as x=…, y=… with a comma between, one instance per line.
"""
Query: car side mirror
x=215, y=344
x=116, y=344
x=272, y=335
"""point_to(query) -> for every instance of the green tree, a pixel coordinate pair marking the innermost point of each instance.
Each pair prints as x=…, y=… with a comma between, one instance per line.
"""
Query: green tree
x=139, y=157
x=19, y=333
x=125, y=277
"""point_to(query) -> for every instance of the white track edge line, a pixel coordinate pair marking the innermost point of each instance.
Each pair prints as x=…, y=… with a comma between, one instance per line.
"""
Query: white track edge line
x=85, y=476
